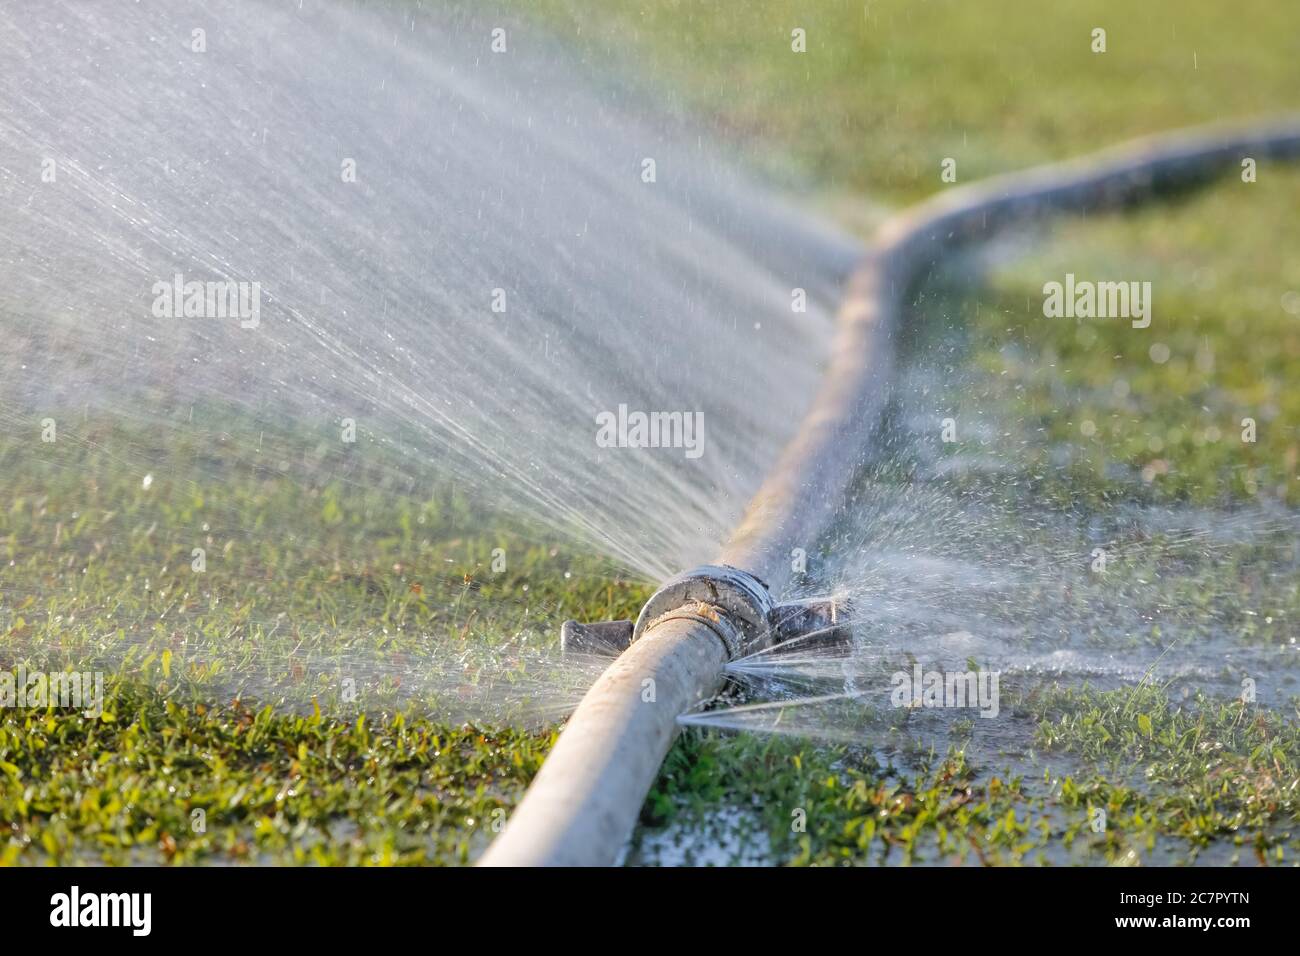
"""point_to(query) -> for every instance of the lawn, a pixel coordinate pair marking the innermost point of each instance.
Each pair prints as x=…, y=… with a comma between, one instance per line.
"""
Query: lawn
x=357, y=683
x=889, y=88
x=353, y=682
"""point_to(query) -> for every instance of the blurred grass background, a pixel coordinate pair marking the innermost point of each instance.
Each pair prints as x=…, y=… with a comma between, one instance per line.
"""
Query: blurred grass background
x=887, y=88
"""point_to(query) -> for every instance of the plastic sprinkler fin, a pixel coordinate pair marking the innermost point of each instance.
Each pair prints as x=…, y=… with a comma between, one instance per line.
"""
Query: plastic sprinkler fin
x=606, y=638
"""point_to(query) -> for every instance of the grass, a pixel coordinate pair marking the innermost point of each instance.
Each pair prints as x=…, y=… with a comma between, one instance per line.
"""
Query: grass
x=162, y=781
x=1214, y=779
x=1169, y=404
x=226, y=687
x=889, y=88
x=352, y=683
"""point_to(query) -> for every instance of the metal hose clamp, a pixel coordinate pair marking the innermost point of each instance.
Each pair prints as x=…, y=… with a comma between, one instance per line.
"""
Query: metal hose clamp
x=738, y=597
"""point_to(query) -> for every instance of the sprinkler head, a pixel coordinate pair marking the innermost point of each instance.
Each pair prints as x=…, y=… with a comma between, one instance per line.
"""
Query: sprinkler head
x=736, y=605
x=736, y=596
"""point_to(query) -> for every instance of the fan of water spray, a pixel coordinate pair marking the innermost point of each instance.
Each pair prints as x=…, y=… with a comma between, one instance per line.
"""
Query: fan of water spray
x=317, y=242
x=460, y=251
